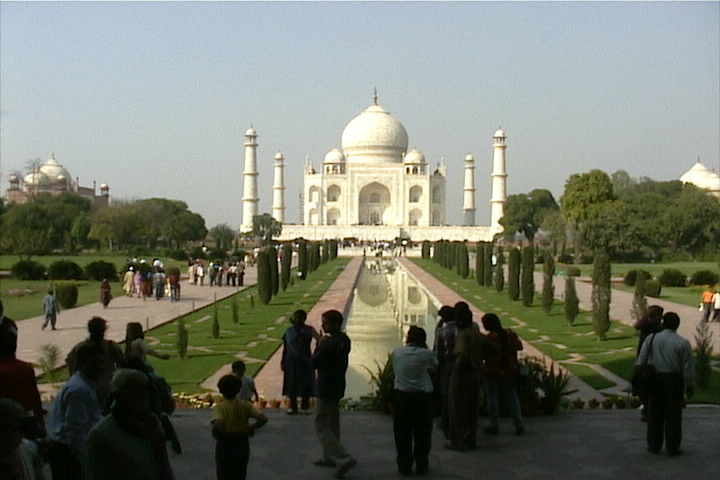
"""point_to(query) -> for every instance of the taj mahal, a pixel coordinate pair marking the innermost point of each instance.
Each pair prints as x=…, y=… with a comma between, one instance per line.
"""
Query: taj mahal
x=373, y=188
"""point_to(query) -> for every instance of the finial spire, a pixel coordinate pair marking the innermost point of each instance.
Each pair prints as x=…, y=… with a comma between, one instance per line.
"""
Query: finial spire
x=375, y=97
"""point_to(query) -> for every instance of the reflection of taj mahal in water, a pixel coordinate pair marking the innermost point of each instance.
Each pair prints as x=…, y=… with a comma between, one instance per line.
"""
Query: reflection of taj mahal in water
x=373, y=188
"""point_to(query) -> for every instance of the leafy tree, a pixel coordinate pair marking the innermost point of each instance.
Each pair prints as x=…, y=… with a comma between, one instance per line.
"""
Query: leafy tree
x=223, y=236
x=525, y=213
x=621, y=180
x=639, y=303
x=25, y=230
x=527, y=276
x=514, y=274
x=601, y=295
x=554, y=226
x=548, y=292
x=114, y=226
x=265, y=227
x=185, y=227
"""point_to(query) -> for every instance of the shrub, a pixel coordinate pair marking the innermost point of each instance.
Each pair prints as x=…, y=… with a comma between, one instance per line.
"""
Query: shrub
x=264, y=278
x=182, y=338
x=28, y=270
x=100, y=270
x=548, y=291
x=500, y=270
x=480, y=263
x=703, y=354
x=703, y=277
x=601, y=295
x=653, y=288
x=488, y=264
x=463, y=268
x=176, y=254
x=631, y=277
x=572, y=302
x=527, y=278
x=65, y=270
x=302, y=259
x=286, y=265
x=66, y=294
x=672, y=277
x=566, y=258
x=514, y=274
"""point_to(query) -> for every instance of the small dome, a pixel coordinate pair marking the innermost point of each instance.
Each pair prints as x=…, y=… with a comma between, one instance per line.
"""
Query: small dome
x=375, y=132
x=104, y=186
x=702, y=177
x=469, y=158
x=14, y=178
x=414, y=156
x=499, y=133
x=250, y=132
x=61, y=178
x=334, y=156
x=53, y=170
x=37, y=179
x=279, y=156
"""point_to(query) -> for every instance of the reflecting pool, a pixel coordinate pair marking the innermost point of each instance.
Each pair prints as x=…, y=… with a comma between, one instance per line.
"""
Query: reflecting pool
x=386, y=302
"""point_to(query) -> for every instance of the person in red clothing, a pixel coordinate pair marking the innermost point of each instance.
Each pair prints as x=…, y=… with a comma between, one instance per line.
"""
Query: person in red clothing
x=17, y=378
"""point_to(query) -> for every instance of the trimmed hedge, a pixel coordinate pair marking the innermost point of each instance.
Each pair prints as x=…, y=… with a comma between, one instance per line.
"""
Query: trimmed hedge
x=66, y=294
x=100, y=270
x=653, y=288
x=65, y=270
x=28, y=270
x=631, y=277
x=672, y=277
x=703, y=277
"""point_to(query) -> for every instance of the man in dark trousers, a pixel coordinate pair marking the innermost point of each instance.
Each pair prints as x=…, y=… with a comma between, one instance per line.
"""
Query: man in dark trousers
x=671, y=355
x=331, y=361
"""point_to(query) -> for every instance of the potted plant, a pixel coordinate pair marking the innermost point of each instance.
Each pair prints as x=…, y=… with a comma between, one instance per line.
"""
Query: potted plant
x=578, y=403
x=608, y=403
x=554, y=383
x=620, y=402
x=383, y=379
x=593, y=403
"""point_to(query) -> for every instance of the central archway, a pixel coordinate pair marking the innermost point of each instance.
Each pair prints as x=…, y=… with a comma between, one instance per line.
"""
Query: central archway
x=374, y=200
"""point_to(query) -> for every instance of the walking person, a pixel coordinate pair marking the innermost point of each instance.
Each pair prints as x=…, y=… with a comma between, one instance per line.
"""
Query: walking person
x=500, y=373
x=298, y=374
x=413, y=365
x=51, y=309
x=232, y=430
x=707, y=303
x=716, y=305
x=105, y=293
x=330, y=359
x=136, y=345
x=671, y=355
x=128, y=281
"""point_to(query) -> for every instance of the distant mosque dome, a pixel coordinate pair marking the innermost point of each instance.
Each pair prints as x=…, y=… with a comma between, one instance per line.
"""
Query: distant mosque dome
x=279, y=156
x=37, y=179
x=700, y=176
x=54, y=171
x=375, y=136
x=334, y=156
x=414, y=156
x=499, y=133
x=250, y=132
x=469, y=158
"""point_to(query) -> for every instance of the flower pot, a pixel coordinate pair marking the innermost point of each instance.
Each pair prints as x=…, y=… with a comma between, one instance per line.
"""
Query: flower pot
x=579, y=404
x=593, y=404
x=607, y=404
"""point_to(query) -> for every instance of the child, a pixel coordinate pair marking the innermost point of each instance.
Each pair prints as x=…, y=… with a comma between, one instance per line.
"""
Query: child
x=231, y=429
x=248, y=391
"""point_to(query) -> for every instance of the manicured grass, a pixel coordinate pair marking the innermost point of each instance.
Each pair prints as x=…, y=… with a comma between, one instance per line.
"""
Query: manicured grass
x=552, y=336
x=23, y=298
x=689, y=296
x=655, y=269
x=258, y=332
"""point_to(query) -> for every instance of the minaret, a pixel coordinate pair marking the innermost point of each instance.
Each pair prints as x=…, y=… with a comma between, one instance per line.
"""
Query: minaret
x=250, y=197
x=469, y=192
x=499, y=182
x=278, y=204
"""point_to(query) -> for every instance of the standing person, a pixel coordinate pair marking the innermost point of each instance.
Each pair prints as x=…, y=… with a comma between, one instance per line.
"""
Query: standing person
x=231, y=430
x=331, y=361
x=105, y=293
x=412, y=419
x=646, y=325
x=471, y=348
x=716, y=305
x=248, y=390
x=136, y=345
x=75, y=411
x=159, y=280
x=97, y=327
x=500, y=373
x=128, y=443
x=138, y=279
x=707, y=303
x=298, y=374
x=51, y=309
x=200, y=274
x=671, y=355
x=174, y=280
x=241, y=273
x=445, y=352
x=128, y=281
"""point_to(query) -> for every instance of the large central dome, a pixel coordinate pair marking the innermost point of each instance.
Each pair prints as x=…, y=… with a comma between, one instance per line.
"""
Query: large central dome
x=375, y=136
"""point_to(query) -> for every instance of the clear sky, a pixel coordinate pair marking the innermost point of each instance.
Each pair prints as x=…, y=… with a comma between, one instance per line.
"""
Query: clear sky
x=154, y=98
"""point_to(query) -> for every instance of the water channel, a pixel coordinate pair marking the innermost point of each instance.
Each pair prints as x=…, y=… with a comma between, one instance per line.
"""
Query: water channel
x=386, y=302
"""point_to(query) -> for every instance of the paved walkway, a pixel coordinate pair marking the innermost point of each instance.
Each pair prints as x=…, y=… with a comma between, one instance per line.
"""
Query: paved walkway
x=72, y=324
x=574, y=445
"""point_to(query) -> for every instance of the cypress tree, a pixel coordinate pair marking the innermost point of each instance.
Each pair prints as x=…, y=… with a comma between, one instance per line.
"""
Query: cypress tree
x=235, y=307
x=480, y=263
x=463, y=267
x=302, y=259
x=572, y=303
x=639, y=305
x=527, y=278
x=182, y=338
x=325, y=251
x=487, y=272
x=264, y=279
x=274, y=276
x=601, y=295
x=317, y=255
x=286, y=265
x=548, y=292
x=215, y=322
x=514, y=274
x=500, y=270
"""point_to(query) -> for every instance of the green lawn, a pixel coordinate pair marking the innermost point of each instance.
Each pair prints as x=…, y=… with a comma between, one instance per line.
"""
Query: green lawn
x=689, y=296
x=258, y=332
x=552, y=336
x=655, y=269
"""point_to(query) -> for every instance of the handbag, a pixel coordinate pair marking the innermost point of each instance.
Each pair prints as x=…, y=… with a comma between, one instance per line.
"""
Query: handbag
x=644, y=375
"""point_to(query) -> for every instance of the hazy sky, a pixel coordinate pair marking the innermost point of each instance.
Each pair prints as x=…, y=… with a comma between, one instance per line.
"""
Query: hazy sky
x=154, y=98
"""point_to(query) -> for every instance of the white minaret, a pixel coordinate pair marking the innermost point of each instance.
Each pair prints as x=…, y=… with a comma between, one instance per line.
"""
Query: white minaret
x=499, y=182
x=469, y=192
x=250, y=196
x=278, y=203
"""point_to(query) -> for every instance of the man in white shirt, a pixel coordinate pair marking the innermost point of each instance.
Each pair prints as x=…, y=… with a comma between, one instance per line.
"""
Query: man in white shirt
x=671, y=355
